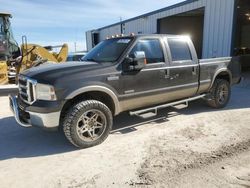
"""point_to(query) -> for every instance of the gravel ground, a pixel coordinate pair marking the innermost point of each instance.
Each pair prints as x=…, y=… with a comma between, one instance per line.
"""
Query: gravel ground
x=193, y=147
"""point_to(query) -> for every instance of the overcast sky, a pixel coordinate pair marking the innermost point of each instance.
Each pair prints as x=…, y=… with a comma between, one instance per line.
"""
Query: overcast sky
x=52, y=22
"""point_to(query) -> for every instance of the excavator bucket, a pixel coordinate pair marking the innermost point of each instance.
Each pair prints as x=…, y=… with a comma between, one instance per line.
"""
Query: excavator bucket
x=3, y=73
x=63, y=54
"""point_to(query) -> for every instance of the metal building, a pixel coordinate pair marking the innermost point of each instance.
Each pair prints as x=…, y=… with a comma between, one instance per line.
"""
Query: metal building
x=217, y=27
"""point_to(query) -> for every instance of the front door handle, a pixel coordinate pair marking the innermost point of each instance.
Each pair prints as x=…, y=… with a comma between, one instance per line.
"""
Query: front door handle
x=174, y=76
x=168, y=76
x=167, y=73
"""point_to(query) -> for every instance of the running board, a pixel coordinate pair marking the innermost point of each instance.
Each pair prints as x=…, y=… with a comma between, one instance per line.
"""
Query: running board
x=152, y=111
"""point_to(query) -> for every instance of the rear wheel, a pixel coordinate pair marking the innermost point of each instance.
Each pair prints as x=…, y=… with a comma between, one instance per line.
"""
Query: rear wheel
x=88, y=123
x=220, y=94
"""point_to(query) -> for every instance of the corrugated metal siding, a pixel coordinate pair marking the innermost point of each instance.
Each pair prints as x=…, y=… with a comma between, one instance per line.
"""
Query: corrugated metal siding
x=218, y=27
x=149, y=24
x=104, y=33
x=89, y=39
x=218, y=23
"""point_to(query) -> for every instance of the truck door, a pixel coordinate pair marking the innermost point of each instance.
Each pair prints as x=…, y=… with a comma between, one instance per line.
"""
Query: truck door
x=183, y=74
x=141, y=87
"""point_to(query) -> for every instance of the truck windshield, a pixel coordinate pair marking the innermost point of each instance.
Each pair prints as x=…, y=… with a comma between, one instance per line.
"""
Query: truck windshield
x=108, y=50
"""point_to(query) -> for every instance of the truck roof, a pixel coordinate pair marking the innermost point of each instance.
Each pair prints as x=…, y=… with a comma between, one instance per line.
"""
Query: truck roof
x=5, y=14
x=147, y=35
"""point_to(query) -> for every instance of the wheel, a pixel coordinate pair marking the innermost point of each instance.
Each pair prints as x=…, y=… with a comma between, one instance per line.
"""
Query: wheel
x=88, y=123
x=219, y=94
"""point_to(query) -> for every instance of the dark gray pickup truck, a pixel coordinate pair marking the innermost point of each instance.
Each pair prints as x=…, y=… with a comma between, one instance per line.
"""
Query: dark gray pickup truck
x=139, y=74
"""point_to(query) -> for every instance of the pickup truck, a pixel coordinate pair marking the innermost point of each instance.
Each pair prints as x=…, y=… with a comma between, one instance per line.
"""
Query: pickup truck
x=139, y=74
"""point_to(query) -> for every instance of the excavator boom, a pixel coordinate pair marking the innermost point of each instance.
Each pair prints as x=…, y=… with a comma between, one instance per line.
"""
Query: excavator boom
x=34, y=54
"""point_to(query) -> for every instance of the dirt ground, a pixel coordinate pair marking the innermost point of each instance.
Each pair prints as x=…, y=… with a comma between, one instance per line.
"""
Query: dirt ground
x=193, y=147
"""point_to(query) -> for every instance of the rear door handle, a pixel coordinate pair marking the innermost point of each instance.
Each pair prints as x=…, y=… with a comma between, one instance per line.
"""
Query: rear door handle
x=194, y=71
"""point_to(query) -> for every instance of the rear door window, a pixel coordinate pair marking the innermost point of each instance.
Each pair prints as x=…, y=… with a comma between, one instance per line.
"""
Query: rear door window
x=179, y=49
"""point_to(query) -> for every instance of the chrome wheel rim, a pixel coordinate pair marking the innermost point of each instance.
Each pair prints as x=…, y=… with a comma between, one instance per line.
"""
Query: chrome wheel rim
x=91, y=125
x=223, y=93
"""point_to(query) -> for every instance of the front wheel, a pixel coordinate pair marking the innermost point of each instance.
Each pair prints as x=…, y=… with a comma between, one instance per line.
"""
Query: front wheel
x=88, y=123
x=220, y=94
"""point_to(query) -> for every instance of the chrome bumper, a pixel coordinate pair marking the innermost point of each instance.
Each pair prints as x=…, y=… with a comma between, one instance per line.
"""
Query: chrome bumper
x=43, y=120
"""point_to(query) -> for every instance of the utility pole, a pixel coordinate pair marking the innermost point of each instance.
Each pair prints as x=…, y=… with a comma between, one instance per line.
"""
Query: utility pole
x=75, y=46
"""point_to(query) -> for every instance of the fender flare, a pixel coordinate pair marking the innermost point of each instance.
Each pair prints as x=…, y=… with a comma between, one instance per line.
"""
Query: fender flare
x=220, y=71
x=103, y=89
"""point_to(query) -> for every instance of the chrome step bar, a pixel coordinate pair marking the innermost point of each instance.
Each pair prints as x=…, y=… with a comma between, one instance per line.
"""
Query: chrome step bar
x=172, y=104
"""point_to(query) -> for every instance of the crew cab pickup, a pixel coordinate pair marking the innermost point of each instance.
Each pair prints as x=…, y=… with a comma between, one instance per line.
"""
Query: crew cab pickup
x=139, y=74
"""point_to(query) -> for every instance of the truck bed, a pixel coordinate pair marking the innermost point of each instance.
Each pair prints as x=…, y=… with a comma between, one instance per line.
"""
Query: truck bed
x=210, y=67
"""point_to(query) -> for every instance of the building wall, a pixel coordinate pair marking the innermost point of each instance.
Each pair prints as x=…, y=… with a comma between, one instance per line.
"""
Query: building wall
x=104, y=33
x=219, y=17
x=245, y=39
x=89, y=40
x=218, y=24
x=185, y=25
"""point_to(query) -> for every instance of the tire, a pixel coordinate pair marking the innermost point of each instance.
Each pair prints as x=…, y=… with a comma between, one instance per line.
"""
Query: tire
x=87, y=123
x=220, y=94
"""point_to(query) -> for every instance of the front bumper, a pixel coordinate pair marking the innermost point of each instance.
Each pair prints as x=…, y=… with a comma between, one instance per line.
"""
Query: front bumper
x=29, y=119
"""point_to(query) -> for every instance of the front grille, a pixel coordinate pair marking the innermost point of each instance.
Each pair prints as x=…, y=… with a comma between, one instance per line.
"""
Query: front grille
x=26, y=89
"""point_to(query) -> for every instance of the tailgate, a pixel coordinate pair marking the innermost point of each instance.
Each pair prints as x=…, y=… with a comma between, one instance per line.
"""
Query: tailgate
x=235, y=69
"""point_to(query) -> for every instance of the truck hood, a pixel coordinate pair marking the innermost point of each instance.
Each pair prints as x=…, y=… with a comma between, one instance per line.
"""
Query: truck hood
x=49, y=72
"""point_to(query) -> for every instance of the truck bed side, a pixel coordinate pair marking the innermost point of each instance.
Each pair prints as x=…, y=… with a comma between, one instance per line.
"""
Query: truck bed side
x=212, y=68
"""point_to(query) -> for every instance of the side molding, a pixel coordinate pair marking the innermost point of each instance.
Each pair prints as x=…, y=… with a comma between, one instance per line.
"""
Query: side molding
x=97, y=88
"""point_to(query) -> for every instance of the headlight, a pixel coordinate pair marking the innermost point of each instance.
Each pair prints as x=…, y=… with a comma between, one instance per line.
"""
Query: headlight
x=45, y=92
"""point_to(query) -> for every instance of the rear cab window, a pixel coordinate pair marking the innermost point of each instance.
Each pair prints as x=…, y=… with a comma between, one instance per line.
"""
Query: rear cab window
x=180, y=52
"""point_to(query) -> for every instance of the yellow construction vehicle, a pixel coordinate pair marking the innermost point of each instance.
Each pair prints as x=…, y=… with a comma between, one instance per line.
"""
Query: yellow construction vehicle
x=3, y=73
x=6, y=46
x=14, y=59
x=34, y=55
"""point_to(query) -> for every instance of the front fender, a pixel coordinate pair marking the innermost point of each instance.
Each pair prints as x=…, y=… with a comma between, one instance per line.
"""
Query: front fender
x=97, y=88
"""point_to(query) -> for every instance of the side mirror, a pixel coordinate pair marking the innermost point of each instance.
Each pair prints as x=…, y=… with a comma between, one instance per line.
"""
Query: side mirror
x=135, y=63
